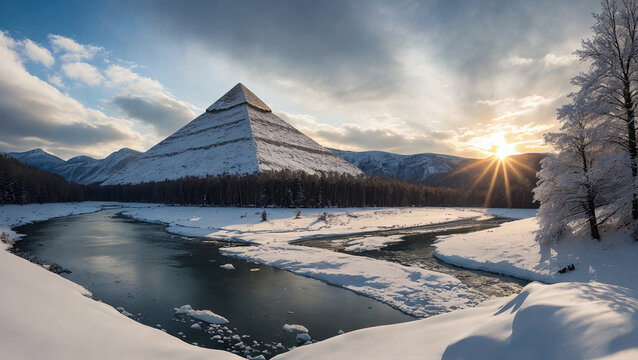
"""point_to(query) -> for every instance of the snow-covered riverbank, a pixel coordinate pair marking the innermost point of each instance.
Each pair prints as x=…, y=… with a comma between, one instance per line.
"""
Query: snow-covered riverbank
x=511, y=249
x=43, y=315
x=566, y=320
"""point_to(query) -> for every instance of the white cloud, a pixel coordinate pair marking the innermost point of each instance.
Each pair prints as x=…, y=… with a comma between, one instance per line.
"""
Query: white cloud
x=357, y=138
x=34, y=113
x=508, y=108
x=37, y=53
x=559, y=60
x=517, y=60
x=72, y=50
x=132, y=81
x=56, y=80
x=84, y=72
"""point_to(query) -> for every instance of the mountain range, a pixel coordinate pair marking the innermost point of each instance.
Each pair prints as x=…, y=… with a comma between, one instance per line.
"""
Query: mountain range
x=239, y=134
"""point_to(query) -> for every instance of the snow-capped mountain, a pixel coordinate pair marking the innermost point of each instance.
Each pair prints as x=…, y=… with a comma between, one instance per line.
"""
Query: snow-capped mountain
x=79, y=169
x=40, y=159
x=418, y=168
x=238, y=134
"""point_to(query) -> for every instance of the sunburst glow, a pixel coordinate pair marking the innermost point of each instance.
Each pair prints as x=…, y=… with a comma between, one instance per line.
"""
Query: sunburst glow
x=504, y=150
x=496, y=145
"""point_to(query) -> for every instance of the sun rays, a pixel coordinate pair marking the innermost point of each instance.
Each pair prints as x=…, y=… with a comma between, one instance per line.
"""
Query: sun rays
x=500, y=168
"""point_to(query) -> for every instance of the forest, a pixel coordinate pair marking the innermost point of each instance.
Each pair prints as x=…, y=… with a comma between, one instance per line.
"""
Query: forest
x=21, y=184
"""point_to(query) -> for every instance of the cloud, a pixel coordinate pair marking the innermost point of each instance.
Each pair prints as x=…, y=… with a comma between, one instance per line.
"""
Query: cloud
x=34, y=113
x=517, y=60
x=84, y=72
x=56, y=80
x=37, y=53
x=131, y=81
x=559, y=60
x=356, y=138
x=72, y=50
x=162, y=112
x=514, y=107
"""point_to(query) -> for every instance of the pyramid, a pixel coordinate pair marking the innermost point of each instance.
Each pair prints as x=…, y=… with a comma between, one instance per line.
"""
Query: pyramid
x=238, y=134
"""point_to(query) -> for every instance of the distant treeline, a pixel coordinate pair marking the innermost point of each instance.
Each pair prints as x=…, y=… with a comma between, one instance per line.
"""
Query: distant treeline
x=23, y=184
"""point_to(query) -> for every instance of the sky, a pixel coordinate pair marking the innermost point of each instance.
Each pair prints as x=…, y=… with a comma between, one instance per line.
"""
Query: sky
x=452, y=77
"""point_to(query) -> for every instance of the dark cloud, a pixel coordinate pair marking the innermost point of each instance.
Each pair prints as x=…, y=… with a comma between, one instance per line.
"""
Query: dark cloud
x=335, y=46
x=165, y=114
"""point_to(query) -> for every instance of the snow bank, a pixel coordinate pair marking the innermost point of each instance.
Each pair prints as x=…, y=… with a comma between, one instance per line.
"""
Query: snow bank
x=43, y=315
x=410, y=289
x=561, y=321
x=245, y=225
x=512, y=249
x=368, y=243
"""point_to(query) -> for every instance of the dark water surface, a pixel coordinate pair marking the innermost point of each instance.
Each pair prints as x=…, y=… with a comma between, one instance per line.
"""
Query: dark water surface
x=416, y=249
x=148, y=272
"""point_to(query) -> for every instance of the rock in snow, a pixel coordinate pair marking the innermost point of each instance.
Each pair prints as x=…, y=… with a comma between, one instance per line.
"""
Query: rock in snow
x=295, y=327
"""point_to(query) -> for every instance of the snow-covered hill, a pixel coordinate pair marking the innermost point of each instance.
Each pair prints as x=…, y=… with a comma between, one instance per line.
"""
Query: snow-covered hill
x=416, y=168
x=238, y=134
x=80, y=169
x=40, y=159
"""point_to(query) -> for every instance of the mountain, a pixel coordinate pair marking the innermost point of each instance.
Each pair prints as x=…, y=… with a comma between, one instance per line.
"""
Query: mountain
x=418, y=168
x=238, y=134
x=80, y=169
x=22, y=184
x=39, y=158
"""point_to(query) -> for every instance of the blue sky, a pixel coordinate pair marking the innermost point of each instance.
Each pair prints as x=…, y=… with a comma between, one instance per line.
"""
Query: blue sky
x=454, y=77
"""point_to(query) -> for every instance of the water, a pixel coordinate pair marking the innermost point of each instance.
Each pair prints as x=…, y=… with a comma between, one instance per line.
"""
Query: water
x=416, y=249
x=148, y=272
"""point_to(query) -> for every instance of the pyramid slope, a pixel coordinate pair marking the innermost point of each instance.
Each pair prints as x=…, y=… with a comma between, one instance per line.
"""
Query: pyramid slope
x=214, y=143
x=280, y=146
x=238, y=136
x=239, y=94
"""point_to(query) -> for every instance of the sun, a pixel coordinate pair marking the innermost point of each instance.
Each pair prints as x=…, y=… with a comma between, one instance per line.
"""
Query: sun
x=504, y=150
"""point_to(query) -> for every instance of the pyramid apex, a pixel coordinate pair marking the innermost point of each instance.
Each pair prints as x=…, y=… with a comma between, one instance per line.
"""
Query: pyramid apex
x=238, y=95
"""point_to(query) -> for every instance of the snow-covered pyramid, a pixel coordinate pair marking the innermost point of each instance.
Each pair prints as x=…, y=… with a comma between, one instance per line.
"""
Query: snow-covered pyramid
x=238, y=134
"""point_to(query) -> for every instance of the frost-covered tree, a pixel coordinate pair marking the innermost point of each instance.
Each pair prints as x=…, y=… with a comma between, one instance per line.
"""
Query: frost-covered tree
x=611, y=82
x=576, y=181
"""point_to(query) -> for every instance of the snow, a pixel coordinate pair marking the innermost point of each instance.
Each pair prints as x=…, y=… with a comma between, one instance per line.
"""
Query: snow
x=587, y=313
x=43, y=315
x=204, y=315
x=80, y=169
x=569, y=320
x=416, y=168
x=227, y=266
x=295, y=327
x=369, y=243
x=513, y=250
x=245, y=225
x=410, y=289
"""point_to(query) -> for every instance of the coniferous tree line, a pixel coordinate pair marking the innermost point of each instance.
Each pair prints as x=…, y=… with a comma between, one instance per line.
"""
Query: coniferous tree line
x=288, y=189
x=22, y=184
x=591, y=182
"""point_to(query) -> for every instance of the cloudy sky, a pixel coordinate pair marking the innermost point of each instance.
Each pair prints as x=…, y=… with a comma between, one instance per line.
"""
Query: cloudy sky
x=452, y=77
